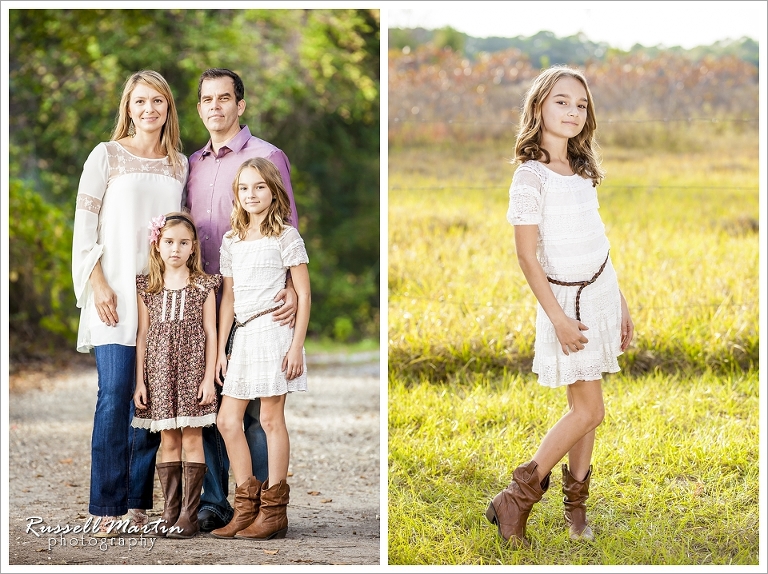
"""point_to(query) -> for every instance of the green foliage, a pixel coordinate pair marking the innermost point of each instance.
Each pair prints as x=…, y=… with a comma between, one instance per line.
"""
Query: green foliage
x=675, y=477
x=40, y=293
x=311, y=87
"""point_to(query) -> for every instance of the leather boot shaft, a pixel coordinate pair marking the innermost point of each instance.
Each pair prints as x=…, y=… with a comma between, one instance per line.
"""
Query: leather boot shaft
x=169, y=474
x=510, y=508
x=247, y=503
x=187, y=526
x=575, y=494
x=272, y=520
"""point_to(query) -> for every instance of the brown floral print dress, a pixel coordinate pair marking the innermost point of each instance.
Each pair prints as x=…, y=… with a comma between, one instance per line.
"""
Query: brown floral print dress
x=174, y=364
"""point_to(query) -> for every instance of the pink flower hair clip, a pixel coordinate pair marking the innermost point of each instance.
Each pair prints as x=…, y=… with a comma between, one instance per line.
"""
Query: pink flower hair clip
x=154, y=228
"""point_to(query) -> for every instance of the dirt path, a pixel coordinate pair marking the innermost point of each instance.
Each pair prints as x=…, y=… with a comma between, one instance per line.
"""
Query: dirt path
x=334, y=513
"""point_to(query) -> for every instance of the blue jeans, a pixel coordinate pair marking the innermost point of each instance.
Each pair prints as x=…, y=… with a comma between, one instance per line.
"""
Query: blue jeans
x=122, y=459
x=216, y=480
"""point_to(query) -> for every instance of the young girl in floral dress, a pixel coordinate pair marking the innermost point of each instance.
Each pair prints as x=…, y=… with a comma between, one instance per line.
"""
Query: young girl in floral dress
x=175, y=362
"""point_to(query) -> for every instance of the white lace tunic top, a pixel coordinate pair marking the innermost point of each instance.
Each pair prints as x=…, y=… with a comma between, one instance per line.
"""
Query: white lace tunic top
x=258, y=269
x=118, y=195
x=572, y=245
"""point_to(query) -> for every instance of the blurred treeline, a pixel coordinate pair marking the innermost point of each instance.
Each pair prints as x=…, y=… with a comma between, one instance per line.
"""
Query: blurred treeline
x=312, y=81
x=439, y=89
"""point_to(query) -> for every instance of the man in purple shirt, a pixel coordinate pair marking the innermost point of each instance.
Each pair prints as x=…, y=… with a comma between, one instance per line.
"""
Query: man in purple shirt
x=209, y=196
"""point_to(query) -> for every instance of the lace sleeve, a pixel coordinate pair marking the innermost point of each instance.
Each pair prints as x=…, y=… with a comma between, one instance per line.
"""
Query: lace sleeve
x=292, y=248
x=225, y=257
x=525, y=196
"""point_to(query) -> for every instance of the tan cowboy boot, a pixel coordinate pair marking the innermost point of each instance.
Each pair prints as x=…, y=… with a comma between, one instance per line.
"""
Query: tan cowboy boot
x=576, y=493
x=247, y=503
x=272, y=521
x=169, y=474
x=187, y=526
x=510, y=508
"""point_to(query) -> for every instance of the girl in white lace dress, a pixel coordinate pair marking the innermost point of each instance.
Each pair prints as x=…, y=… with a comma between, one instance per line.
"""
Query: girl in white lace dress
x=583, y=321
x=266, y=359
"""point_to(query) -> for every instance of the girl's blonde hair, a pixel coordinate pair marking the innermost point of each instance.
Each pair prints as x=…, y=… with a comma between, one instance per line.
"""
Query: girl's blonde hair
x=279, y=211
x=170, y=134
x=157, y=265
x=582, y=149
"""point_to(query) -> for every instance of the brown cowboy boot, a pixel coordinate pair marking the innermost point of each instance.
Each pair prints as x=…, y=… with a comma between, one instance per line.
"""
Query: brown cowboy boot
x=169, y=474
x=272, y=521
x=576, y=493
x=247, y=503
x=510, y=508
x=187, y=526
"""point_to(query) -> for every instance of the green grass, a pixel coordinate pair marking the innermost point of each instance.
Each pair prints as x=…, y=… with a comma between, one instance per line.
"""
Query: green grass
x=318, y=346
x=675, y=478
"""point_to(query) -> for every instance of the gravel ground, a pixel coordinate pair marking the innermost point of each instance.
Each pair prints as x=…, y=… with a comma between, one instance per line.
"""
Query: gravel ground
x=334, y=512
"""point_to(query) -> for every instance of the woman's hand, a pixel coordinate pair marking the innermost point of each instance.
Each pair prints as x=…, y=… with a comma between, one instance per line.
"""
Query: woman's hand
x=627, y=326
x=104, y=298
x=293, y=363
x=140, y=396
x=570, y=335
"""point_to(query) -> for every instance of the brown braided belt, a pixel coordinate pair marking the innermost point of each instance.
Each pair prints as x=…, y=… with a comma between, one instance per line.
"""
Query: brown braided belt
x=236, y=324
x=580, y=284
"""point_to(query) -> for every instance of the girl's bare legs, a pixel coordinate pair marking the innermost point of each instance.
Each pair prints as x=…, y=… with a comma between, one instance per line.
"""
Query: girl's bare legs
x=278, y=444
x=580, y=455
x=575, y=429
x=170, y=445
x=230, y=424
x=192, y=442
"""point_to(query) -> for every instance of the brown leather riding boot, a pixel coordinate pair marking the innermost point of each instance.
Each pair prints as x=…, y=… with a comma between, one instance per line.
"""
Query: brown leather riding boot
x=576, y=493
x=187, y=526
x=510, y=508
x=272, y=521
x=247, y=503
x=169, y=474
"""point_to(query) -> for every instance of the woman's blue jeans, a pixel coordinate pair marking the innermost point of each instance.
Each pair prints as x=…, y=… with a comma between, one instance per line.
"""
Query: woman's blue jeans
x=122, y=457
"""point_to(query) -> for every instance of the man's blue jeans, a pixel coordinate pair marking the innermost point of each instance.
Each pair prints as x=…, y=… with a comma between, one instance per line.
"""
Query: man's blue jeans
x=216, y=480
x=122, y=458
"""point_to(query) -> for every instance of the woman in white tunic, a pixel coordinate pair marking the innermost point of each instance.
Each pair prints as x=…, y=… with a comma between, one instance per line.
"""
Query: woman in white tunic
x=583, y=321
x=125, y=182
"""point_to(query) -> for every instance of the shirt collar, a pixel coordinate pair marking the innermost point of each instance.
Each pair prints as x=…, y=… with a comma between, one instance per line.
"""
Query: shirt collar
x=235, y=144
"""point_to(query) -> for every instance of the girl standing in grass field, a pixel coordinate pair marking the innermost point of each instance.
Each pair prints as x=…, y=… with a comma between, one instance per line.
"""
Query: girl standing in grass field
x=267, y=357
x=582, y=322
x=175, y=362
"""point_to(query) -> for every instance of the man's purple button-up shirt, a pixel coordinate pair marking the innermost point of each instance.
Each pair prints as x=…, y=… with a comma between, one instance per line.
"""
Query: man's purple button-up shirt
x=209, y=194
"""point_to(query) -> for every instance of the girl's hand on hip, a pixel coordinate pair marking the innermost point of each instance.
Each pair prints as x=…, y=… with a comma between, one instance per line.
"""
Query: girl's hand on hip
x=293, y=364
x=105, y=301
x=569, y=334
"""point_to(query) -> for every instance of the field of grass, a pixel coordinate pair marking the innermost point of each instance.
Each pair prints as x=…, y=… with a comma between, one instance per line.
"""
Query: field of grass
x=676, y=475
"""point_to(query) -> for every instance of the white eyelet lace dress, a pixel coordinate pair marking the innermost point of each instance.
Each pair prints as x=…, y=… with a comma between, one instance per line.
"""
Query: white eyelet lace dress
x=258, y=269
x=572, y=246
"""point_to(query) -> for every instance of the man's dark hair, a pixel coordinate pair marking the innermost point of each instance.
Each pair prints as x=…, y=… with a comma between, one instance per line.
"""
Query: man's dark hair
x=213, y=73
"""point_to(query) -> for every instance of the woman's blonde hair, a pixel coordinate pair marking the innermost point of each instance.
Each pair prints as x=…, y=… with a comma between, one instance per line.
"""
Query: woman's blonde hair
x=157, y=265
x=170, y=134
x=582, y=148
x=279, y=211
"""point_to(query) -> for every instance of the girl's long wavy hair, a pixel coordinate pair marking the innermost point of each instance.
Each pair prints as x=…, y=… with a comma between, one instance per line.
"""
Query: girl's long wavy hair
x=279, y=211
x=156, y=264
x=582, y=149
x=170, y=134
